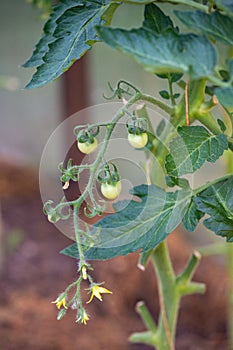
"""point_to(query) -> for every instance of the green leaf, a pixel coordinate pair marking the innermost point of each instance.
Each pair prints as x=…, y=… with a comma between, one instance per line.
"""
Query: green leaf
x=224, y=74
x=217, y=202
x=172, y=181
x=164, y=94
x=138, y=224
x=175, y=96
x=159, y=47
x=230, y=145
x=225, y=5
x=164, y=53
x=42, y=46
x=40, y=49
x=222, y=125
x=227, y=75
x=156, y=20
x=215, y=25
x=92, y=253
x=225, y=96
x=172, y=77
x=74, y=34
x=193, y=146
x=192, y=217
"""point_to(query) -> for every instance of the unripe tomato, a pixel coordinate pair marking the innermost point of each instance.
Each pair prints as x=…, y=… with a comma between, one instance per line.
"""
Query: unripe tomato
x=138, y=141
x=87, y=147
x=111, y=191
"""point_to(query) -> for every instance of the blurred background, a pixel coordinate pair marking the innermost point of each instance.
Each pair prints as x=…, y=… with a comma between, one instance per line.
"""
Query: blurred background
x=32, y=272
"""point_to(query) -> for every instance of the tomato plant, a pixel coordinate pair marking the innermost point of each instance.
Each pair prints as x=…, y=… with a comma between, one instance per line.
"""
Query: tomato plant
x=191, y=50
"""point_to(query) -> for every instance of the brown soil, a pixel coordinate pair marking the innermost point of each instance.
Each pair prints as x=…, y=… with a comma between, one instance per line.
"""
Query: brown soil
x=34, y=272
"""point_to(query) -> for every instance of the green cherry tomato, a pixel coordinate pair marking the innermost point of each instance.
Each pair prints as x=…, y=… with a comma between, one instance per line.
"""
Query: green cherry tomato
x=111, y=191
x=87, y=147
x=138, y=141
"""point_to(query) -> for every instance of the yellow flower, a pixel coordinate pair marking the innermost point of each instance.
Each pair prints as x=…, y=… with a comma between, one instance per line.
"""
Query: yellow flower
x=60, y=303
x=85, y=318
x=96, y=291
x=82, y=317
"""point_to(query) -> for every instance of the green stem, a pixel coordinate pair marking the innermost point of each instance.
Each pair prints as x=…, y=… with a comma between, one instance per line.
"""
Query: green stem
x=229, y=261
x=187, y=274
x=184, y=2
x=148, y=338
x=158, y=103
x=215, y=80
x=193, y=288
x=146, y=316
x=228, y=159
x=169, y=298
x=127, y=84
x=76, y=296
x=228, y=120
x=173, y=101
x=196, y=90
x=171, y=290
x=77, y=234
x=211, y=183
x=209, y=121
x=183, y=280
x=229, y=257
x=191, y=3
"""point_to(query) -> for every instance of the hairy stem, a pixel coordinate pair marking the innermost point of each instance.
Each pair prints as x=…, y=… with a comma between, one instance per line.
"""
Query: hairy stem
x=229, y=257
x=77, y=234
x=146, y=316
x=209, y=121
x=157, y=103
x=229, y=260
x=170, y=86
x=169, y=298
x=171, y=290
x=191, y=3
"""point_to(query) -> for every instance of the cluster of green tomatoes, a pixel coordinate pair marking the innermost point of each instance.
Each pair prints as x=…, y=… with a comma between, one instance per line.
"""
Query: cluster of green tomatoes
x=109, y=177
